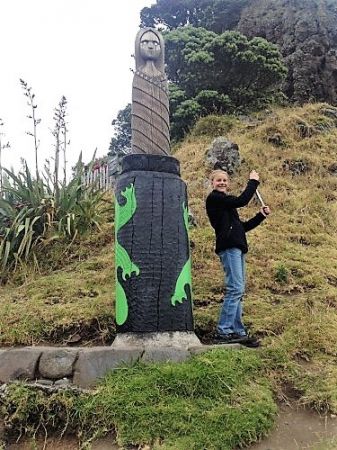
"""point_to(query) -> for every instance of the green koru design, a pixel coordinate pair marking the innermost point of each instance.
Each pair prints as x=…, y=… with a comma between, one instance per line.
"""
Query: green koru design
x=185, y=274
x=122, y=215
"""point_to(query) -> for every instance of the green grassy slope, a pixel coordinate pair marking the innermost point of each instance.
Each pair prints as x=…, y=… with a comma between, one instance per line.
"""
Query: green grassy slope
x=219, y=400
x=292, y=264
x=70, y=300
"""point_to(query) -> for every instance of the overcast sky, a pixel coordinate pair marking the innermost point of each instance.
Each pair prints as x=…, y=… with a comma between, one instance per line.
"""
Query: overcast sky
x=77, y=48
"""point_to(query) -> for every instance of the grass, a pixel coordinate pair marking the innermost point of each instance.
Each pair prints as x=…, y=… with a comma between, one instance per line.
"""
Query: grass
x=217, y=400
x=330, y=444
x=291, y=300
x=291, y=296
x=74, y=298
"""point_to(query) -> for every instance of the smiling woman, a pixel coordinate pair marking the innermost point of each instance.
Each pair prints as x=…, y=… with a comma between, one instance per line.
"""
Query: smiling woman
x=220, y=180
x=231, y=247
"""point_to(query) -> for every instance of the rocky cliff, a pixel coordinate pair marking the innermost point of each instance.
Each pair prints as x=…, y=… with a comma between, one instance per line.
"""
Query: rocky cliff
x=306, y=32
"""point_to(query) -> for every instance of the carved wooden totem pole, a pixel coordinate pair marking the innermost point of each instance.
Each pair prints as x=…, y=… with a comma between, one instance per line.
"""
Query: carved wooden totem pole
x=153, y=264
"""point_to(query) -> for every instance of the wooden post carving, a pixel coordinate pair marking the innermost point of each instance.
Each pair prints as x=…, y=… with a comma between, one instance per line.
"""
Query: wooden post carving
x=150, y=103
x=153, y=264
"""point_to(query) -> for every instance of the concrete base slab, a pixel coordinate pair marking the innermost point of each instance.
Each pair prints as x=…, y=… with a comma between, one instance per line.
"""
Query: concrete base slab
x=165, y=354
x=178, y=339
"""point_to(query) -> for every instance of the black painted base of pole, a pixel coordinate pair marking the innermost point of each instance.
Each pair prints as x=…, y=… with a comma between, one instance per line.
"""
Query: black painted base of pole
x=153, y=279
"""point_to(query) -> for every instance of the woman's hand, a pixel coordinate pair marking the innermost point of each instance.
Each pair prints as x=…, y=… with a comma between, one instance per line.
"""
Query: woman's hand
x=265, y=210
x=254, y=175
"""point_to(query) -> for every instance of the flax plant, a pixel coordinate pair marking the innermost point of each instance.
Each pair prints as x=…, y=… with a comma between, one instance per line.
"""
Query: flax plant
x=31, y=215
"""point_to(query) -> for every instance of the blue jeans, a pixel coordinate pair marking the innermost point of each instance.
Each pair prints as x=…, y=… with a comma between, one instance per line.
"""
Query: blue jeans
x=230, y=320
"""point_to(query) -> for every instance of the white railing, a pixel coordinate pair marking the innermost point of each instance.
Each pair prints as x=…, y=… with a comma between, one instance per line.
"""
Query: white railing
x=100, y=177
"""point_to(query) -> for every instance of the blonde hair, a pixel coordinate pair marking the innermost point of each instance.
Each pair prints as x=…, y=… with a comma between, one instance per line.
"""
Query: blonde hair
x=217, y=172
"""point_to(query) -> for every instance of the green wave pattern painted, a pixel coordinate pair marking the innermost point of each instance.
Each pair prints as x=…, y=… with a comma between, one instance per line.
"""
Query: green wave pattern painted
x=123, y=261
x=185, y=274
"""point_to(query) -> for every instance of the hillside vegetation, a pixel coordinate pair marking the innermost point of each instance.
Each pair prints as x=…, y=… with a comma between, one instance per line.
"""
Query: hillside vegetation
x=292, y=264
x=304, y=32
x=291, y=296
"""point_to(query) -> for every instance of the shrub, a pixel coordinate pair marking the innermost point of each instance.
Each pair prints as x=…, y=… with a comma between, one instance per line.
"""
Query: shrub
x=213, y=125
x=281, y=273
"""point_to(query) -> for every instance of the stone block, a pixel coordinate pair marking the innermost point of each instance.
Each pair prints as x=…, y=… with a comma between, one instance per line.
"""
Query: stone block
x=165, y=354
x=18, y=363
x=57, y=363
x=92, y=364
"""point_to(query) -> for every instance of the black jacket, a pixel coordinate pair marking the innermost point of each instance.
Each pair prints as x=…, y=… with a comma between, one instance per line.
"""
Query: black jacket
x=230, y=231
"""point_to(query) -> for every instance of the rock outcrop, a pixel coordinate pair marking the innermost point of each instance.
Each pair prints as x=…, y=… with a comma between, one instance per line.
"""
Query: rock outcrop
x=223, y=154
x=306, y=34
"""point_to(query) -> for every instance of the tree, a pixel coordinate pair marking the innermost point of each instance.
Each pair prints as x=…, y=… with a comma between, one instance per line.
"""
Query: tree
x=121, y=141
x=167, y=13
x=214, y=15
x=218, y=73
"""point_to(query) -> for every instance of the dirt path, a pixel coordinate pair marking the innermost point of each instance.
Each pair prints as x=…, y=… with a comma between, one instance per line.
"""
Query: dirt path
x=298, y=429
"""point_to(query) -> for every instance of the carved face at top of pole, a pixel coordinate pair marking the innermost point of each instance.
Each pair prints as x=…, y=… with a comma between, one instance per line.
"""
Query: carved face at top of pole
x=150, y=121
x=150, y=46
x=149, y=51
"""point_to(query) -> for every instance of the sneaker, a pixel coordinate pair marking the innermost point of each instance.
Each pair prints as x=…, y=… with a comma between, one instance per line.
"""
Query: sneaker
x=231, y=338
x=250, y=341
